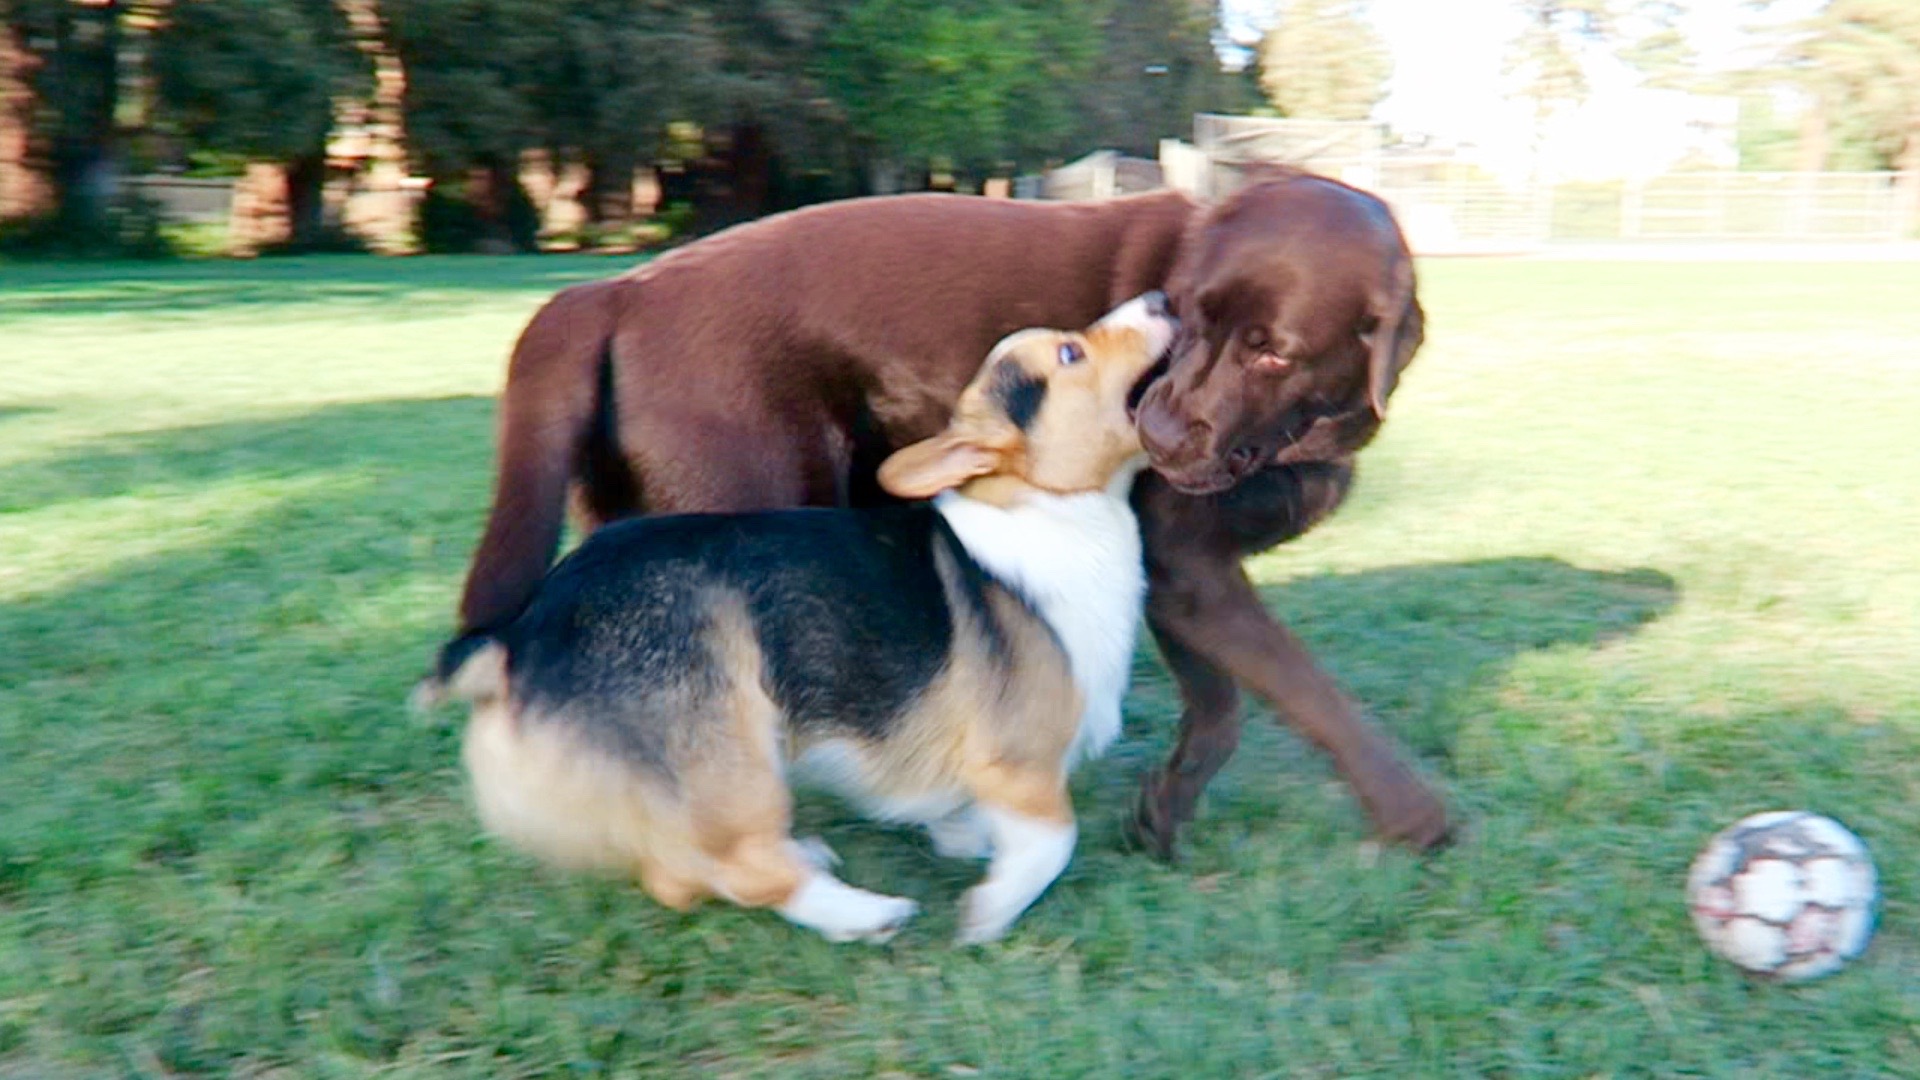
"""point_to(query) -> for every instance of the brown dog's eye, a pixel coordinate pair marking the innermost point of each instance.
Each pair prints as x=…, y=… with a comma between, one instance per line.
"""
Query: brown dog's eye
x=1255, y=337
x=1071, y=353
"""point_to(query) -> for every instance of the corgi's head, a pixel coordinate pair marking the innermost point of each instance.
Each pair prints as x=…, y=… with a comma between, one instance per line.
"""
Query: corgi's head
x=1048, y=411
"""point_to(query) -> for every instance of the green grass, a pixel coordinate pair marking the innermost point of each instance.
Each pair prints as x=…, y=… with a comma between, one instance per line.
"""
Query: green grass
x=1636, y=556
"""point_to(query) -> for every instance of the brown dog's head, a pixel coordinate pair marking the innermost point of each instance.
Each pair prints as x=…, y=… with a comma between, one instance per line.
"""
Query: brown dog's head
x=1048, y=412
x=1296, y=299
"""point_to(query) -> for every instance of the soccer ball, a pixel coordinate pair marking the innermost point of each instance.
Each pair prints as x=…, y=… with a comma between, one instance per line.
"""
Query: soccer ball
x=1785, y=895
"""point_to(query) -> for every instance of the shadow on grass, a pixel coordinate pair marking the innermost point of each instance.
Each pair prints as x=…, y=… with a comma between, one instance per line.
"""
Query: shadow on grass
x=254, y=660
x=300, y=624
x=174, y=287
x=397, y=437
x=15, y=412
x=1405, y=639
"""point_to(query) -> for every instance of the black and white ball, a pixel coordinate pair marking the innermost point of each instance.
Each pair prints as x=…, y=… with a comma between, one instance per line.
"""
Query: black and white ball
x=1788, y=895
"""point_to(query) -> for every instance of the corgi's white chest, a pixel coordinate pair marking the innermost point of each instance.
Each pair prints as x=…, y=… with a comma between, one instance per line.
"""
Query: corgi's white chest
x=1077, y=558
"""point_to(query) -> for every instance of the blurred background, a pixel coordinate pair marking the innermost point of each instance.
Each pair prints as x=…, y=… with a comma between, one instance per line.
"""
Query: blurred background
x=242, y=126
x=1634, y=557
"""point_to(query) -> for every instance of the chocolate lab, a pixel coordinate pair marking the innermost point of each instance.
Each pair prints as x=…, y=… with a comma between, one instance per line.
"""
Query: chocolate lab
x=777, y=364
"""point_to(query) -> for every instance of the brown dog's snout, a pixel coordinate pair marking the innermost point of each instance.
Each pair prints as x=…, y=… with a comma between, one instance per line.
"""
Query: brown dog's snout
x=1164, y=433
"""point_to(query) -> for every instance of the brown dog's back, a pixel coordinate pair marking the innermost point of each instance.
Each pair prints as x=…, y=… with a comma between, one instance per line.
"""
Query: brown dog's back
x=776, y=364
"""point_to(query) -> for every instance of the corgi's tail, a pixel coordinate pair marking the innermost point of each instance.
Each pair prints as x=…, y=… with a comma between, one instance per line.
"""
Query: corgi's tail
x=471, y=667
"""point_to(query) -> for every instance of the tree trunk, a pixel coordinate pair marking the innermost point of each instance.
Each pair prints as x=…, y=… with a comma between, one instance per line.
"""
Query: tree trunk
x=24, y=191
x=306, y=198
x=608, y=197
x=384, y=213
x=259, y=219
x=507, y=215
x=84, y=75
x=1907, y=186
x=1815, y=138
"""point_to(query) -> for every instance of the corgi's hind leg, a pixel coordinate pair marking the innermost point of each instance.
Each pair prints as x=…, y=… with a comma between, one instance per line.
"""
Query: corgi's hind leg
x=735, y=791
x=755, y=862
x=1029, y=821
x=772, y=870
x=843, y=912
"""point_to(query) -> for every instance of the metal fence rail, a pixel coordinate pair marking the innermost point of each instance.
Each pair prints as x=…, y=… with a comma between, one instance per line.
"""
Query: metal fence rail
x=1446, y=205
x=1763, y=206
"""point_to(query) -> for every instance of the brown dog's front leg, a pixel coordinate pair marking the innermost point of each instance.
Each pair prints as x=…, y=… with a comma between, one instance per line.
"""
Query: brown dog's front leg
x=1209, y=734
x=1216, y=613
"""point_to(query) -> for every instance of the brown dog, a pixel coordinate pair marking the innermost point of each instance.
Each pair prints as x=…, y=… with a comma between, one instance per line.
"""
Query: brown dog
x=778, y=363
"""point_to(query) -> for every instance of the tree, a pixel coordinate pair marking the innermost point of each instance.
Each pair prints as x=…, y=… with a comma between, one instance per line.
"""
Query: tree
x=1546, y=57
x=1324, y=61
x=979, y=82
x=71, y=55
x=1558, y=39
x=606, y=79
x=470, y=112
x=769, y=74
x=24, y=191
x=1156, y=68
x=1859, y=62
x=259, y=79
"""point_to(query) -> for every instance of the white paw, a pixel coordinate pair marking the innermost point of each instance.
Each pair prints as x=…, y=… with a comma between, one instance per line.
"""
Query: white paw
x=872, y=918
x=985, y=915
x=841, y=912
x=961, y=836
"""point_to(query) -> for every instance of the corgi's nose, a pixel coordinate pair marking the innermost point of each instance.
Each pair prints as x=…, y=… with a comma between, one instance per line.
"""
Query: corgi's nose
x=1156, y=302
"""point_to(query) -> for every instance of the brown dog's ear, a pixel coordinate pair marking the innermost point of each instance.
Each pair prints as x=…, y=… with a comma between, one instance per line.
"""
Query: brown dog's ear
x=1399, y=326
x=934, y=465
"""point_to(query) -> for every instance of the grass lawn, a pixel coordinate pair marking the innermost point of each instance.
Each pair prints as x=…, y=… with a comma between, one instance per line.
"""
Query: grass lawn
x=1638, y=554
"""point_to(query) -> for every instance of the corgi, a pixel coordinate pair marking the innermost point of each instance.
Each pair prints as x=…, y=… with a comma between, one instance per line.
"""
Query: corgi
x=944, y=662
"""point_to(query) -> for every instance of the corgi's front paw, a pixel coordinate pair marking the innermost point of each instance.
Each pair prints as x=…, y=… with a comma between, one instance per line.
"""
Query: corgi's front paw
x=873, y=918
x=986, y=914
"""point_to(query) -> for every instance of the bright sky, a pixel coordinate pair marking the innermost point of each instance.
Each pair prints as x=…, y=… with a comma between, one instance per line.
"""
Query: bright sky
x=1449, y=82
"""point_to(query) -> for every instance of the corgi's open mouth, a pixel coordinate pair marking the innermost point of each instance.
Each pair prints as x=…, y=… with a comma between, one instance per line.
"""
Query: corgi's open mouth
x=1160, y=367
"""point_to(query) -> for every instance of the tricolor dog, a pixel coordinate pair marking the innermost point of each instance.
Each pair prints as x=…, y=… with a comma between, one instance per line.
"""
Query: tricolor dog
x=943, y=662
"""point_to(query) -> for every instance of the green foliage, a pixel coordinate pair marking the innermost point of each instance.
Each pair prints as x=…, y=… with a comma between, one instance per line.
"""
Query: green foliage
x=124, y=227
x=978, y=81
x=451, y=222
x=1156, y=68
x=1547, y=56
x=840, y=87
x=74, y=76
x=1765, y=142
x=256, y=78
x=606, y=76
x=767, y=72
x=1324, y=61
x=1651, y=41
x=1860, y=62
x=470, y=69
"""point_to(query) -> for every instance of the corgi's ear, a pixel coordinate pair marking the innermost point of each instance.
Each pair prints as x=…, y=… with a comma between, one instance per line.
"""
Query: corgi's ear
x=934, y=465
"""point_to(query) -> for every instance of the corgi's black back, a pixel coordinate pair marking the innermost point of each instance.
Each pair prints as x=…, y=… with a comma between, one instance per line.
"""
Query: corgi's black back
x=851, y=612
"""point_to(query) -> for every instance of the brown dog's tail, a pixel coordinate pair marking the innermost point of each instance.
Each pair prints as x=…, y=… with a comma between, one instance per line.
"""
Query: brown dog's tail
x=561, y=368
x=471, y=667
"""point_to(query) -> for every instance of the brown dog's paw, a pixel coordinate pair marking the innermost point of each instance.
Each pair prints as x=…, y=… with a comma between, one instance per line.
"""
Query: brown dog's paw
x=1152, y=826
x=1405, y=810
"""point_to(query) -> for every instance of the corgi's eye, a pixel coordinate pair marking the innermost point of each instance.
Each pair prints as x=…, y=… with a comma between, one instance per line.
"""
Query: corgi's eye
x=1071, y=353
